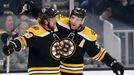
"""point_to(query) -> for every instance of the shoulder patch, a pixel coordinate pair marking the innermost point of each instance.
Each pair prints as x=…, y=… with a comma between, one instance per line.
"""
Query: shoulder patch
x=37, y=30
x=89, y=34
x=35, y=27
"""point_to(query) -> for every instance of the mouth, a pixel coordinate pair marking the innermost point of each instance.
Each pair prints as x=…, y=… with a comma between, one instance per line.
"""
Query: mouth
x=73, y=25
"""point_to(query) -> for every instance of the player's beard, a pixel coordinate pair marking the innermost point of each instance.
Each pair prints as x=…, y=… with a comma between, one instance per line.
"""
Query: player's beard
x=52, y=26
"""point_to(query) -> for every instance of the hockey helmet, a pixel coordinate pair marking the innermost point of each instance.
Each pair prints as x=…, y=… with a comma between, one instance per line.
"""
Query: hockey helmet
x=79, y=12
x=47, y=13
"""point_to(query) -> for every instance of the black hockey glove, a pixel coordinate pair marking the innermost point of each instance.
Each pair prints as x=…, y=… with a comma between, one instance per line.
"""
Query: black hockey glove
x=117, y=68
x=30, y=8
x=27, y=7
x=6, y=36
x=8, y=50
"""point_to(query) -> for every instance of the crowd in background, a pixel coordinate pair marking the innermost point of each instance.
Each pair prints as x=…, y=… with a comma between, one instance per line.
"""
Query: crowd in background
x=120, y=10
x=18, y=26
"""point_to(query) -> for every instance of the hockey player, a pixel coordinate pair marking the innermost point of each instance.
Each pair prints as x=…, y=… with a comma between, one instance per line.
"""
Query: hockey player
x=79, y=40
x=43, y=46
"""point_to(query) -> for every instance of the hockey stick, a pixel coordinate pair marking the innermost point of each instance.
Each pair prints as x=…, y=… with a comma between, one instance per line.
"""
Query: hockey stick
x=8, y=65
x=8, y=57
x=8, y=40
x=10, y=37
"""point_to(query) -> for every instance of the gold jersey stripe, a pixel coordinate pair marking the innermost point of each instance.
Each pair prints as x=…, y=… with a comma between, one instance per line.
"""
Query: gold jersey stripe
x=72, y=65
x=97, y=55
x=72, y=72
x=43, y=68
x=102, y=56
x=25, y=43
x=22, y=44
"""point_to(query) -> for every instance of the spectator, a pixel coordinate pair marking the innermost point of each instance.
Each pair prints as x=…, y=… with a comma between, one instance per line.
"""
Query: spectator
x=8, y=27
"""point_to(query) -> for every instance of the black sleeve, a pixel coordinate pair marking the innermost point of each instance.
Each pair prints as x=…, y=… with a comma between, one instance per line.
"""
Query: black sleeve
x=107, y=59
x=91, y=48
x=98, y=53
x=20, y=43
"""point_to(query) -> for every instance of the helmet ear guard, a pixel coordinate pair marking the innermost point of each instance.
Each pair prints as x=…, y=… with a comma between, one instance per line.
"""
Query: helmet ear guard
x=79, y=12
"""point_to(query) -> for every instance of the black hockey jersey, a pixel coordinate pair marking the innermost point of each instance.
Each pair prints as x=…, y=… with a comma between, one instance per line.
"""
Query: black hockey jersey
x=43, y=56
x=74, y=45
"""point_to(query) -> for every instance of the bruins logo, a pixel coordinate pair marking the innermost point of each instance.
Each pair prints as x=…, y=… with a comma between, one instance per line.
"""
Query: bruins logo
x=67, y=47
x=55, y=50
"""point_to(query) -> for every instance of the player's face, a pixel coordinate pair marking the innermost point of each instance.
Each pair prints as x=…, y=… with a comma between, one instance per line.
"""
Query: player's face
x=52, y=22
x=75, y=22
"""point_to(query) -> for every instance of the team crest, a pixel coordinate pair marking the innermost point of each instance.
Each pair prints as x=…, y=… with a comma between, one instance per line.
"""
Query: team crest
x=67, y=47
x=55, y=50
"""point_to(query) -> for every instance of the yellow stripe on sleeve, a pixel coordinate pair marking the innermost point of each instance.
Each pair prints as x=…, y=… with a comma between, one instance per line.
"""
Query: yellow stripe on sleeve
x=102, y=56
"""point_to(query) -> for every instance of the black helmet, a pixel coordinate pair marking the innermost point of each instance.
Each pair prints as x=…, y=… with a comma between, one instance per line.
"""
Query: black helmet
x=47, y=13
x=79, y=12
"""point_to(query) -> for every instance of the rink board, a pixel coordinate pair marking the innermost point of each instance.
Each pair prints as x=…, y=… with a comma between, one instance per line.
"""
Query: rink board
x=127, y=72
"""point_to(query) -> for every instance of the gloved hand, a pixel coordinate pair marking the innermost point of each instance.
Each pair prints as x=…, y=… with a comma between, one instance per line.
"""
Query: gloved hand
x=8, y=50
x=117, y=68
x=6, y=36
x=29, y=8
x=26, y=7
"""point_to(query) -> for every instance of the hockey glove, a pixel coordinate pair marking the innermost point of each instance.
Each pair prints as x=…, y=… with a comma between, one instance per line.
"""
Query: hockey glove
x=30, y=9
x=27, y=7
x=8, y=50
x=6, y=36
x=117, y=68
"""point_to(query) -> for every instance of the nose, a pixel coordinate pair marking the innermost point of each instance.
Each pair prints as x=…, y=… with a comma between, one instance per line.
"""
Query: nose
x=73, y=21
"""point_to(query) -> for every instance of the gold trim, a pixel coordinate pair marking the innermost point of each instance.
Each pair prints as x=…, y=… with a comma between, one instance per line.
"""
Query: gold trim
x=96, y=56
x=72, y=72
x=102, y=56
x=25, y=43
x=21, y=42
x=72, y=65
x=43, y=68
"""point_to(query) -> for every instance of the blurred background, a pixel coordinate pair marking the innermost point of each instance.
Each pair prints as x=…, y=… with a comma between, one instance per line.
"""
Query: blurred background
x=113, y=21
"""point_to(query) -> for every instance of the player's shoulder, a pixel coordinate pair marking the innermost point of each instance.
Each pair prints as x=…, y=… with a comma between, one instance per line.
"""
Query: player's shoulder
x=63, y=21
x=34, y=28
x=89, y=34
x=37, y=30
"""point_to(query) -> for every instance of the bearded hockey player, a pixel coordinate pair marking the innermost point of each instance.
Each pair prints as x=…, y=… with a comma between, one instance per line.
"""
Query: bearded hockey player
x=43, y=58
